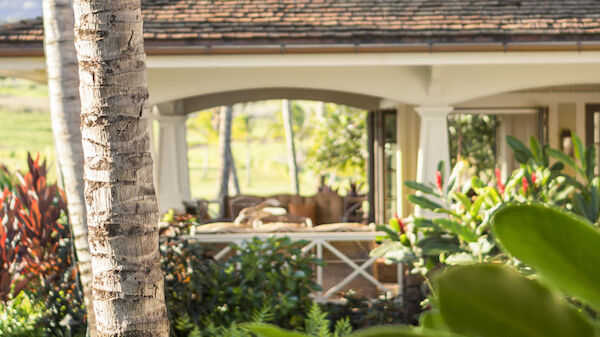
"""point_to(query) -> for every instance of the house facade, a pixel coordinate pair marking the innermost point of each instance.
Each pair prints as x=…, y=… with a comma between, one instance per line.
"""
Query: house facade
x=411, y=63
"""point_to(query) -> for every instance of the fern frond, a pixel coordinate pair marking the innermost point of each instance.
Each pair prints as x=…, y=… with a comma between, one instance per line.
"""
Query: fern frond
x=263, y=315
x=316, y=323
x=343, y=328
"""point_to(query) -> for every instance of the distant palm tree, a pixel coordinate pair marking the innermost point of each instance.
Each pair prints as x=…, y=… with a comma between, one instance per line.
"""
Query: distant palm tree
x=225, y=158
x=286, y=110
x=123, y=214
x=63, y=88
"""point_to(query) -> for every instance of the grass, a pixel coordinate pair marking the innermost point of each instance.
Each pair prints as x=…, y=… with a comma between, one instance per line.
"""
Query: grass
x=22, y=132
x=22, y=88
x=268, y=174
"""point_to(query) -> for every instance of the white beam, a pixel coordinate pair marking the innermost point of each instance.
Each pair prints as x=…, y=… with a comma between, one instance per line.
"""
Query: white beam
x=372, y=59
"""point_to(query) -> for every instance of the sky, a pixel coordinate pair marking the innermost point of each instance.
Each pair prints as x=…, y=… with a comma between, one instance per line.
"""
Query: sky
x=14, y=10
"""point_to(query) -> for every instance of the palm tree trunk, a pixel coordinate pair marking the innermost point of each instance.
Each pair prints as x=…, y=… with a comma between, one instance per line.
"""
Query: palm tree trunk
x=63, y=82
x=120, y=196
x=289, y=140
x=234, y=175
x=248, y=161
x=225, y=116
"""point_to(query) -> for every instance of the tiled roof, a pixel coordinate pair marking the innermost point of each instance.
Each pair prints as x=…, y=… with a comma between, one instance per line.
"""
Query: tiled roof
x=244, y=22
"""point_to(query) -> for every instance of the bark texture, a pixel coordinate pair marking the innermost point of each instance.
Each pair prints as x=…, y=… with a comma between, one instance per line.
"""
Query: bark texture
x=286, y=109
x=120, y=196
x=63, y=82
x=225, y=116
x=234, y=175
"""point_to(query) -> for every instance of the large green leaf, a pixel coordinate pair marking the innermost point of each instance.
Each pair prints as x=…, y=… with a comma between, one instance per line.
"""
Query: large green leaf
x=435, y=245
x=419, y=187
x=521, y=153
x=423, y=202
x=563, y=248
x=268, y=330
x=457, y=229
x=495, y=301
x=563, y=157
x=579, y=151
x=400, y=331
x=536, y=150
x=387, y=247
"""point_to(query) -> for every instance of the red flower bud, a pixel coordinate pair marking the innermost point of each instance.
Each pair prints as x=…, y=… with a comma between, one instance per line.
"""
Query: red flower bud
x=401, y=224
x=438, y=179
x=533, y=177
x=525, y=184
x=501, y=186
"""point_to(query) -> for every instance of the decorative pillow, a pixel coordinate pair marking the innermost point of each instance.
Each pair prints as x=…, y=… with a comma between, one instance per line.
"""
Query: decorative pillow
x=308, y=210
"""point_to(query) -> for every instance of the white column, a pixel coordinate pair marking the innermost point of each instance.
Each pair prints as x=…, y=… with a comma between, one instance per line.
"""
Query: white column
x=433, y=141
x=408, y=148
x=173, y=170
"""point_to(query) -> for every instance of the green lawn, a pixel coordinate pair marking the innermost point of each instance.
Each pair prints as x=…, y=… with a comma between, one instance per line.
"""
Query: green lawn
x=268, y=174
x=21, y=132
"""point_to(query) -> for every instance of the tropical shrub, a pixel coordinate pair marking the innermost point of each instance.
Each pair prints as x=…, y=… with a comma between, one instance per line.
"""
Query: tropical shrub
x=13, y=275
x=586, y=199
x=362, y=312
x=455, y=226
x=36, y=252
x=272, y=275
x=21, y=316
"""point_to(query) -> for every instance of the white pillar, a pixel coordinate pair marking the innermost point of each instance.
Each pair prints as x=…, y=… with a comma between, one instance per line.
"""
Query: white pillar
x=433, y=141
x=173, y=171
x=408, y=148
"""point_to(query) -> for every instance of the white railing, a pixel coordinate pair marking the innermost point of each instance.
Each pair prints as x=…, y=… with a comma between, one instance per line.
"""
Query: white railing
x=317, y=241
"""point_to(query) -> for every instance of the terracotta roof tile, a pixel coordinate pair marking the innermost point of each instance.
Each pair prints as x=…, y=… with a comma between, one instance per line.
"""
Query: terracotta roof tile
x=214, y=22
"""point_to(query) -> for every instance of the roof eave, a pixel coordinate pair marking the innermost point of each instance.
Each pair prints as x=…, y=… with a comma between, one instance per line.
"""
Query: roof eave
x=165, y=48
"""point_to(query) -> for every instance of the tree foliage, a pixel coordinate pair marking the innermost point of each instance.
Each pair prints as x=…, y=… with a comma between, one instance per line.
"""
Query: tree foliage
x=339, y=144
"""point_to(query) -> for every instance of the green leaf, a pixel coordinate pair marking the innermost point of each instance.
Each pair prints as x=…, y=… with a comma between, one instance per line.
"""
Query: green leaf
x=561, y=247
x=460, y=258
x=590, y=161
x=456, y=228
x=400, y=331
x=392, y=234
x=435, y=245
x=387, y=247
x=419, y=187
x=521, y=152
x=268, y=330
x=477, y=204
x=423, y=223
x=563, y=157
x=423, y=202
x=536, y=150
x=463, y=199
x=495, y=301
x=579, y=151
x=432, y=319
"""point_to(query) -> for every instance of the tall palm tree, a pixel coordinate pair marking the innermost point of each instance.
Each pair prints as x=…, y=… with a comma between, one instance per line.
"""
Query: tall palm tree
x=63, y=82
x=286, y=110
x=225, y=158
x=121, y=201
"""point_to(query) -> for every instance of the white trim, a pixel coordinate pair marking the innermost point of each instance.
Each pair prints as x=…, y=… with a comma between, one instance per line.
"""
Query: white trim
x=372, y=59
x=496, y=111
